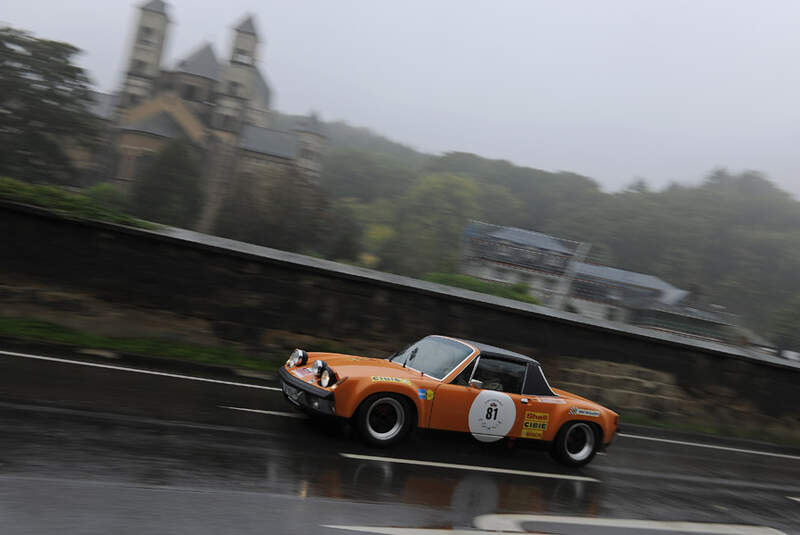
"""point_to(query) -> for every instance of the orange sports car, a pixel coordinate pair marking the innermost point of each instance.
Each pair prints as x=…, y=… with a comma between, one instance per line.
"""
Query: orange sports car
x=449, y=384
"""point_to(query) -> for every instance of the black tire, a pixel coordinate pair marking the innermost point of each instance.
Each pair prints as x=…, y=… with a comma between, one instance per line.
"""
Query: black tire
x=384, y=419
x=576, y=444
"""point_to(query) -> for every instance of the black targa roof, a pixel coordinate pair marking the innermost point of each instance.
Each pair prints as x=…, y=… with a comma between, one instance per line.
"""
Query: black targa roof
x=486, y=349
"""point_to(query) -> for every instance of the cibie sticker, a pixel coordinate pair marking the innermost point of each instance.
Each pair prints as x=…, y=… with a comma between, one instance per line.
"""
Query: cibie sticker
x=535, y=424
x=491, y=416
x=575, y=411
x=549, y=399
x=380, y=379
x=425, y=394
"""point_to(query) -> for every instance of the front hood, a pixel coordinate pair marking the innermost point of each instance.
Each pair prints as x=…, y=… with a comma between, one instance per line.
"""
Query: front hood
x=357, y=366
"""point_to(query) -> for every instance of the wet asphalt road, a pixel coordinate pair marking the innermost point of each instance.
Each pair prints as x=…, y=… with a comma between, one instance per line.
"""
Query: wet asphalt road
x=88, y=449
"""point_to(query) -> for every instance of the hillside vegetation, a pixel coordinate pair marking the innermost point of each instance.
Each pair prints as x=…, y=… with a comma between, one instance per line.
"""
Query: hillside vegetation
x=734, y=238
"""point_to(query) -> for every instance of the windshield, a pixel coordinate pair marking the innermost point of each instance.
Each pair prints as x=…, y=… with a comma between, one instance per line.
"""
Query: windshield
x=434, y=356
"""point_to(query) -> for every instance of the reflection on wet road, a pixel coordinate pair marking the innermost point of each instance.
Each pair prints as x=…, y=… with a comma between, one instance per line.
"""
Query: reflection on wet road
x=97, y=450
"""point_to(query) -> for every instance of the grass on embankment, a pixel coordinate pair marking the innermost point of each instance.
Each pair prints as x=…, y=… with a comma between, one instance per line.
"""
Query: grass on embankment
x=518, y=292
x=93, y=205
x=783, y=437
x=30, y=330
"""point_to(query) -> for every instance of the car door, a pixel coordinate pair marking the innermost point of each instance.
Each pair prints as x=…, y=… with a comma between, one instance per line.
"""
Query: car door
x=540, y=402
x=489, y=413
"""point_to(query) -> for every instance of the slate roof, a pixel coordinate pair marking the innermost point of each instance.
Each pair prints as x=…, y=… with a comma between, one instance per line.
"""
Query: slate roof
x=530, y=238
x=301, y=123
x=162, y=124
x=156, y=5
x=269, y=141
x=247, y=26
x=625, y=277
x=202, y=62
x=103, y=105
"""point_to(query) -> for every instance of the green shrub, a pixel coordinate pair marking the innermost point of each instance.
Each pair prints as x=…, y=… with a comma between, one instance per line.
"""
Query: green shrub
x=518, y=292
x=108, y=195
x=51, y=333
x=101, y=203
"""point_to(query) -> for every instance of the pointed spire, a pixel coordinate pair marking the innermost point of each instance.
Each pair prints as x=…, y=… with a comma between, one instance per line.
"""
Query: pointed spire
x=202, y=62
x=247, y=26
x=158, y=6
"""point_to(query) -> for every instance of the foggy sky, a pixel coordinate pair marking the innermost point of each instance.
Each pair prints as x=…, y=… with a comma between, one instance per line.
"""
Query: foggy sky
x=613, y=89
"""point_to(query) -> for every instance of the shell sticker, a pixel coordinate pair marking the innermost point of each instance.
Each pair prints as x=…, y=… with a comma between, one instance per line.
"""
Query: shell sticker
x=535, y=424
x=491, y=416
x=381, y=379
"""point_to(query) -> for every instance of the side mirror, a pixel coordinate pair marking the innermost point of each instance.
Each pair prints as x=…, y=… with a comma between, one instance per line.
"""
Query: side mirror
x=474, y=383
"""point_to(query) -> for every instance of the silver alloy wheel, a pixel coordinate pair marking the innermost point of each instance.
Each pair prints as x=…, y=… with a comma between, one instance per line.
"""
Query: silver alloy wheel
x=391, y=412
x=579, y=442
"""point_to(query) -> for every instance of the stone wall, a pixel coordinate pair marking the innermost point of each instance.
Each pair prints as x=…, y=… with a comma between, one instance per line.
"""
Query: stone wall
x=197, y=287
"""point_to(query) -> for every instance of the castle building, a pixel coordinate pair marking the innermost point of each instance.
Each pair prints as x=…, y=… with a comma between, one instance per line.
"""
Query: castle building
x=553, y=270
x=221, y=107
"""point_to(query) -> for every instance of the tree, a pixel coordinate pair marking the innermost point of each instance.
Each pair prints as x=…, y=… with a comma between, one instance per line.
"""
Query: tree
x=44, y=101
x=340, y=239
x=171, y=189
x=430, y=220
x=285, y=211
x=786, y=325
x=364, y=175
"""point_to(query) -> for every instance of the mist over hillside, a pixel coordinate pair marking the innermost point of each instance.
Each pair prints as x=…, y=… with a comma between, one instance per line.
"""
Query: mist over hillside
x=733, y=238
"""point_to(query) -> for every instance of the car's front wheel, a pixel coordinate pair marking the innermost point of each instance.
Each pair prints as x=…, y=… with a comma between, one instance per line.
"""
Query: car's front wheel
x=384, y=419
x=576, y=444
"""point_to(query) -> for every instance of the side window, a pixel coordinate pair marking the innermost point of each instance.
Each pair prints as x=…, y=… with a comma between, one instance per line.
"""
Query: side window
x=462, y=379
x=535, y=383
x=500, y=375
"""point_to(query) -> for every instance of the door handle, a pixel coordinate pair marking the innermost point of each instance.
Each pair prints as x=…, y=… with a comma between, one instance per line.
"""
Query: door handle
x=524, y=401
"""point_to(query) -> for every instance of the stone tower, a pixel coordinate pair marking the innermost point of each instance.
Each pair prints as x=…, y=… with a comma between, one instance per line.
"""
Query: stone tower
x=144, y=58
x=241, y=84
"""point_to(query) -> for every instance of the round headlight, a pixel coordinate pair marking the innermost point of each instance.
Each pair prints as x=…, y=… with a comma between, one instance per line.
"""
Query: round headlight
x=317, y=367
x=297, y=358
x=327, y=378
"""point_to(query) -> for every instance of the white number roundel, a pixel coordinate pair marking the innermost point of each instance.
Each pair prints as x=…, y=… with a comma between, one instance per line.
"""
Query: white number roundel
x=491, y=416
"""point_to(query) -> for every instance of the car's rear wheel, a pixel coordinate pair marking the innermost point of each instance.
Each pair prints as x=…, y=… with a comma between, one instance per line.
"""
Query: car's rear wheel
x=576, y=444
x=384, y=419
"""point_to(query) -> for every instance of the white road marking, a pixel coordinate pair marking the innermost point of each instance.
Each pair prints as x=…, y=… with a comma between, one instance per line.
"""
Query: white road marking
x=130, y=418
x=271, y=413
x=793, y=498
x=467, y=467
x=513, y=523
x=411, y=531
x=712, y=446
x=137, y=370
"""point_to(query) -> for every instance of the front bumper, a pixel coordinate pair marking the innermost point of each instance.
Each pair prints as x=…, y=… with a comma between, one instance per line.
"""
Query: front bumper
x=306, y=396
